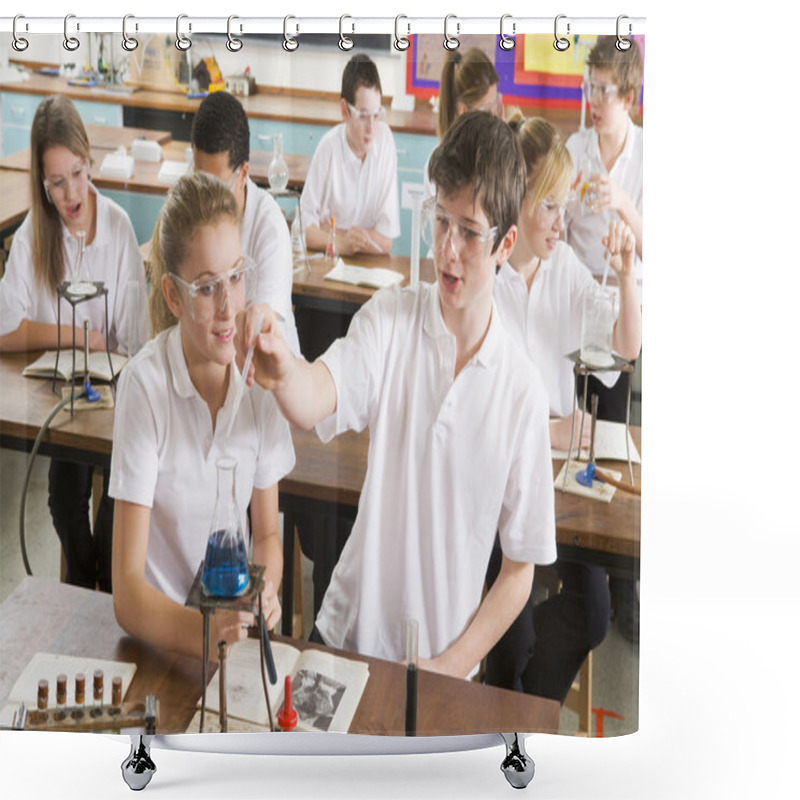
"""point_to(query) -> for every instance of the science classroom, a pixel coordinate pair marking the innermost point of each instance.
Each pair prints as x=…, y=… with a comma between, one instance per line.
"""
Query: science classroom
x=325, y=364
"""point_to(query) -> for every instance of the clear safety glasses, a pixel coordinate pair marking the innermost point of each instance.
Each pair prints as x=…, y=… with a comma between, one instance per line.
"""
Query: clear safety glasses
x=60, y=186
x=440, y=229
x=209, y=296
x=597, y=93
x=363, y=116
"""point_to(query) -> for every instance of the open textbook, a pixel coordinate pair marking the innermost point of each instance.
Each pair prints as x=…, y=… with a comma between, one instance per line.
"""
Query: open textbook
x=373, y=277
x=48, y=666
x=609, y=443
x=326, y=689
x=99, y=368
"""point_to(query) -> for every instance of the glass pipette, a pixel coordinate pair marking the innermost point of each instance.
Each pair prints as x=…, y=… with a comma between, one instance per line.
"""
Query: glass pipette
x=245, y=369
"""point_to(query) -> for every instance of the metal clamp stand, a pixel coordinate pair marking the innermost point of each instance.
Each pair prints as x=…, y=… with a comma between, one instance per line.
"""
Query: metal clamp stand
x=207, y=605
x=582, y=369
x=291, y=193
x=75, y=300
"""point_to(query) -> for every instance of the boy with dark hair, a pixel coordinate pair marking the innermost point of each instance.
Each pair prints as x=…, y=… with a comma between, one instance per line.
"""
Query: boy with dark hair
x=458, y=417
x=353, y=174
x=221, y=147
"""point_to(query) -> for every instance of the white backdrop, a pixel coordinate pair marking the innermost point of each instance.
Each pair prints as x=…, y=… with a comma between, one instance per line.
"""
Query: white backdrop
x=720, y=604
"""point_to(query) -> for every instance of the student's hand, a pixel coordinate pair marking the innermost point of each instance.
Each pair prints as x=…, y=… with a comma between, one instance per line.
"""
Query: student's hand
x=228, y=625
x=271, y=605
x=96, y=340
x=621, y=243
x=608, y=194
x=561, y=431
x=271, y=356
x=356, y=240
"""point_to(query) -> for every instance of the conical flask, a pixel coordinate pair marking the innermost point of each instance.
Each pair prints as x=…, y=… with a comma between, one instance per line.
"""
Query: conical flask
x=278, y=171
x=225, y=570
x=80, y=285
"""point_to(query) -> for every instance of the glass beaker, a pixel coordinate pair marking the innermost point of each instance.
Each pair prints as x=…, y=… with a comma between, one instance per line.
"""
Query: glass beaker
x=225, y=570
x=597, y=328
x=590, y=167
x=278, y=171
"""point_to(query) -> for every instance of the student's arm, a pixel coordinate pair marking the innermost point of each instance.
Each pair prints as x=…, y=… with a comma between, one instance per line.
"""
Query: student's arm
x=348, y=242
x=561, y=432
x=43, y=336
x=305, y=392
x=610, y=195
x=628, y=327
x=499, y=609
x=267, y=548
x=145, y=612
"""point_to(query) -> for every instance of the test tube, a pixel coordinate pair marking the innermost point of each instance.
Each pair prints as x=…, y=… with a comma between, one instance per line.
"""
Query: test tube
x=412, y=659
x=42, y=695
x=116, y=691
x=97, y=692
x=61, y=696
x=80, y=694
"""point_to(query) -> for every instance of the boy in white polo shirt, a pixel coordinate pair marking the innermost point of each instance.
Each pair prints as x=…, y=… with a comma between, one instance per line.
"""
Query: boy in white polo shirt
x=458, y=419
x=353, y=174
x=221, y=147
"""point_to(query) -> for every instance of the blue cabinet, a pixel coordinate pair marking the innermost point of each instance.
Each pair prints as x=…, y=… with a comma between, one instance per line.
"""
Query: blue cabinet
x=141, y=208
x=299, y=138
x=412, y=155
x=17, y=112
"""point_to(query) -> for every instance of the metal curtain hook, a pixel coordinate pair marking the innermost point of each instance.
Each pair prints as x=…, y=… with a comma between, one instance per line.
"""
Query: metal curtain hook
x=345, y=42
x=561, y=44
x=19, y=43
x=506, y=42
x=182, y=42
x=622, y=44
x=129, y=43
x=401, y=43
x=289, y=43
x=451, y=42
x=233, y=44
x=70, y=42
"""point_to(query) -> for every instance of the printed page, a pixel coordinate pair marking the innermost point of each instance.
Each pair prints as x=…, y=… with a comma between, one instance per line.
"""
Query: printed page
x=326, y=690
x=609, y=443
x=376, y=277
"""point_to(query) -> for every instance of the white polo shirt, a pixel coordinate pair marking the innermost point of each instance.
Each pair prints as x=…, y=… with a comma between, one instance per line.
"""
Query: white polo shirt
x=113, y=257
x=265, y=238
x=585, y=232
x=451, y=461
x=356, y=192
x=165, y=453
x=547, y=320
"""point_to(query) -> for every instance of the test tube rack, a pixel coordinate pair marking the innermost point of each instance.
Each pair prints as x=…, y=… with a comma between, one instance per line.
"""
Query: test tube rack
x=136, y=714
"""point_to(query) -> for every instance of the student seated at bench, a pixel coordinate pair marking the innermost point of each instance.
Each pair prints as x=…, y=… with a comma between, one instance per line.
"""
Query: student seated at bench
x=353, y=174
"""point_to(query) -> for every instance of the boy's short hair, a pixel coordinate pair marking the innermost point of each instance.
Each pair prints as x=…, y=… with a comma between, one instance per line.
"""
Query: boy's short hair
x=625, y=64
x=221, y=125
x=482, y=152
x=359, y=71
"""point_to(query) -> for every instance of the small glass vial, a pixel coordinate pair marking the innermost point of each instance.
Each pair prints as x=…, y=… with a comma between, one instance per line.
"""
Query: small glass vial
x=331, y=254
x=61, y=696
x=278, y=171
x=298, y=245
x=80, y=695
x=97, y=692
x=42, y=695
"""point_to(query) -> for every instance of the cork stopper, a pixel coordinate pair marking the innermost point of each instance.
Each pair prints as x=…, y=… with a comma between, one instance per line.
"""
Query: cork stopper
x=61, y=689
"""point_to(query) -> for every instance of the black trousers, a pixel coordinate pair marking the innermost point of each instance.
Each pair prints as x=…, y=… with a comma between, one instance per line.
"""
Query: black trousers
x=543, y=650
x=87, y=554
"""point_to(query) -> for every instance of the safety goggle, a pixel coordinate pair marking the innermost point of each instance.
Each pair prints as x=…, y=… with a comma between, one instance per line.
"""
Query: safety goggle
x=209, y=295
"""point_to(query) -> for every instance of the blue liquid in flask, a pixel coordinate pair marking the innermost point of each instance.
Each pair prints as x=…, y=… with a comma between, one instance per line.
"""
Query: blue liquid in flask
x=225, y=571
